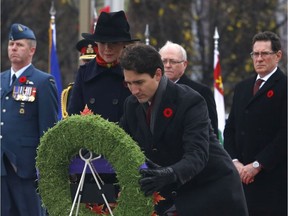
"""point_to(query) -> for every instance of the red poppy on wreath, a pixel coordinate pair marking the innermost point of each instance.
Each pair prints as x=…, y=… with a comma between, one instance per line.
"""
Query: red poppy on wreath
x=23, y=79
x=168, y=112
x=270, y=93
x=86, y=111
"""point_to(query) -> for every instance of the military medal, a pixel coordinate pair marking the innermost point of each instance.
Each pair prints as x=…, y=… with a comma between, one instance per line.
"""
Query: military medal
x=24, y=93
x=22, y=110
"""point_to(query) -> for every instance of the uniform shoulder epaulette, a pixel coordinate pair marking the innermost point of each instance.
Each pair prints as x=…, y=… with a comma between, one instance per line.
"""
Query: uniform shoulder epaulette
x=51, y=80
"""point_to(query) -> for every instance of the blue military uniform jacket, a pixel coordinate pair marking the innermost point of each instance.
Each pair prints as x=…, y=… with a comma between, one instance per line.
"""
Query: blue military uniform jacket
x=25, y=117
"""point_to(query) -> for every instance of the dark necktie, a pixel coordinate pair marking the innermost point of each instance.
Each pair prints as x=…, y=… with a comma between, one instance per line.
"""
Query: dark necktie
x=13, y=79
x=257, y=85
x=148, y=115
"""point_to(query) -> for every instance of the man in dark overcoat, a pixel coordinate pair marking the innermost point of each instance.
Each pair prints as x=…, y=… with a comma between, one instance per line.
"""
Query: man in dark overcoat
x=255, y=135
x=170, y=122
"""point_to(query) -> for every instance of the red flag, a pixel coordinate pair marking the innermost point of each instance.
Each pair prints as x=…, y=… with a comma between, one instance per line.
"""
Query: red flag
x=219, y=90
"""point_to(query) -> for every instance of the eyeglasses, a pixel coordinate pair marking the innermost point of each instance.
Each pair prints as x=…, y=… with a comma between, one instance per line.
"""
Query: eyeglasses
x=262, y=54
x=171, y=61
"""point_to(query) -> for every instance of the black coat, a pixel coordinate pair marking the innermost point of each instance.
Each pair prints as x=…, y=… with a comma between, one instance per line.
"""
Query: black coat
x=100, y=88
x=207, y=94
x=257, y=130
x=208, y=181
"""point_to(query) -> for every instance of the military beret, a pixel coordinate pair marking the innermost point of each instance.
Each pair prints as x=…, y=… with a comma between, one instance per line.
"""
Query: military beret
x=19, y=31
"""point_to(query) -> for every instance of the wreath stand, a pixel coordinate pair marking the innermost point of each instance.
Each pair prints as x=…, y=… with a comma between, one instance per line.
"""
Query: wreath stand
x=88, y=162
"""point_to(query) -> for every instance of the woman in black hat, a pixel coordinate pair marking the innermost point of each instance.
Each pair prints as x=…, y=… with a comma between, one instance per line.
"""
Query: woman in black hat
x=100, y=83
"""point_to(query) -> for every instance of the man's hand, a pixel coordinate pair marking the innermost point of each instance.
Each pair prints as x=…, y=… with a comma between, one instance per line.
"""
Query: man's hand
x=248, y=173
x=238, y=165
x=153, y=179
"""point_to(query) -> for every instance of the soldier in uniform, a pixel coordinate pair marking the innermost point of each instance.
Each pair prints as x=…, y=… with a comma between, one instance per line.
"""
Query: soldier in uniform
x=29, y=106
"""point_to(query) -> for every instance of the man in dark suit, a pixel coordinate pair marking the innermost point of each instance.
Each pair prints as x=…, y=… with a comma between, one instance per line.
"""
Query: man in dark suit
x=256, y=131
x=170, y=122
x=175, y=62
x=28, y=108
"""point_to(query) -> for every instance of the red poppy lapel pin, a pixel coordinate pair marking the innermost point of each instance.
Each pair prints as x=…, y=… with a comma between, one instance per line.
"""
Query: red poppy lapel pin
x=270, y=93
x=168, y=112
x=23, y=80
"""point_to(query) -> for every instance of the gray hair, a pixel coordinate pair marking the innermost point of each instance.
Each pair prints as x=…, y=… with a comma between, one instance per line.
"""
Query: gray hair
x=182, y=51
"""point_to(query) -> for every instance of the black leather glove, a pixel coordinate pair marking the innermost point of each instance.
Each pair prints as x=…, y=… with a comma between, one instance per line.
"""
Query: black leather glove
x=151, y=164
x=155, y=177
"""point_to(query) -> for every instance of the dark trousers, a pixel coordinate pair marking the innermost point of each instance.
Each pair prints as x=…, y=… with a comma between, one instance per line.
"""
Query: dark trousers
x=18, y=196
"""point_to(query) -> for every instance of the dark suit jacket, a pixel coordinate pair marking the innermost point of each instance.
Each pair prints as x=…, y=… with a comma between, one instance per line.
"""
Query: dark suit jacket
x=257, y=130
x=207, y=94
x=185, y=142
x=21, y=132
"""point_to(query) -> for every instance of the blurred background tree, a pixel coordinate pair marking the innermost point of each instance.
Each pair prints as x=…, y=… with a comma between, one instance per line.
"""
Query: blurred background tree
x=190, y=23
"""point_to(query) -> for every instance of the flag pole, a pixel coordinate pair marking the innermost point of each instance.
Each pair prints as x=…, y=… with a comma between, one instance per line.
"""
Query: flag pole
x=216, y=38
x=54, y=68
x=95, y=15
x=52, y=13
x=147, y=34
x=218, y=89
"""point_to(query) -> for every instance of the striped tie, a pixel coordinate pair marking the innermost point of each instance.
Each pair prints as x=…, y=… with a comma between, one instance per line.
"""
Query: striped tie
x=257, y=85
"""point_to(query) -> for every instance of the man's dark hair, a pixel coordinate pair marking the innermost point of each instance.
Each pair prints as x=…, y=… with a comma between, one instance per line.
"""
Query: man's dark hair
x=268, y=36
x=141, y=58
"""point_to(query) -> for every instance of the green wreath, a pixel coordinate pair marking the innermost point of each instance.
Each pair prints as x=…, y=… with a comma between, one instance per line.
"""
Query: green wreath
x=62, y=142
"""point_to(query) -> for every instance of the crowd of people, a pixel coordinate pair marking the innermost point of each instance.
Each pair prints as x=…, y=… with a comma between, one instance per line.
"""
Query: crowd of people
x=172, y=118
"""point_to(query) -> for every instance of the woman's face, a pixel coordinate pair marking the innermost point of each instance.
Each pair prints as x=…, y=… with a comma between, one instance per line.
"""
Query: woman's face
x=110, y=52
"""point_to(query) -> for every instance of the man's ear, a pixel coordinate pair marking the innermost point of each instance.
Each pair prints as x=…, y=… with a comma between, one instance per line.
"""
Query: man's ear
x=158, y=74
x=279, y=55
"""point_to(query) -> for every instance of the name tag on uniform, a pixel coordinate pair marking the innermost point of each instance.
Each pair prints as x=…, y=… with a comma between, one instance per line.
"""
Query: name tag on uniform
x=24, y=93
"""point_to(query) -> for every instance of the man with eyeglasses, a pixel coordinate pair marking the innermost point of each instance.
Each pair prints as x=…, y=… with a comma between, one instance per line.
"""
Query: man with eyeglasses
x=255, y=134
x=174, y=58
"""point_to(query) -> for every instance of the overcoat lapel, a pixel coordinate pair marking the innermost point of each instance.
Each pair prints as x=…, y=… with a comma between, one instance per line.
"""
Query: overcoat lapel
x=267, y=85
x=162, y=121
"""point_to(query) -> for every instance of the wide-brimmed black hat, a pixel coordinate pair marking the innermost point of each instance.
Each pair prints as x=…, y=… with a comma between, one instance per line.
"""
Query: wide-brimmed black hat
x=111, y=27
